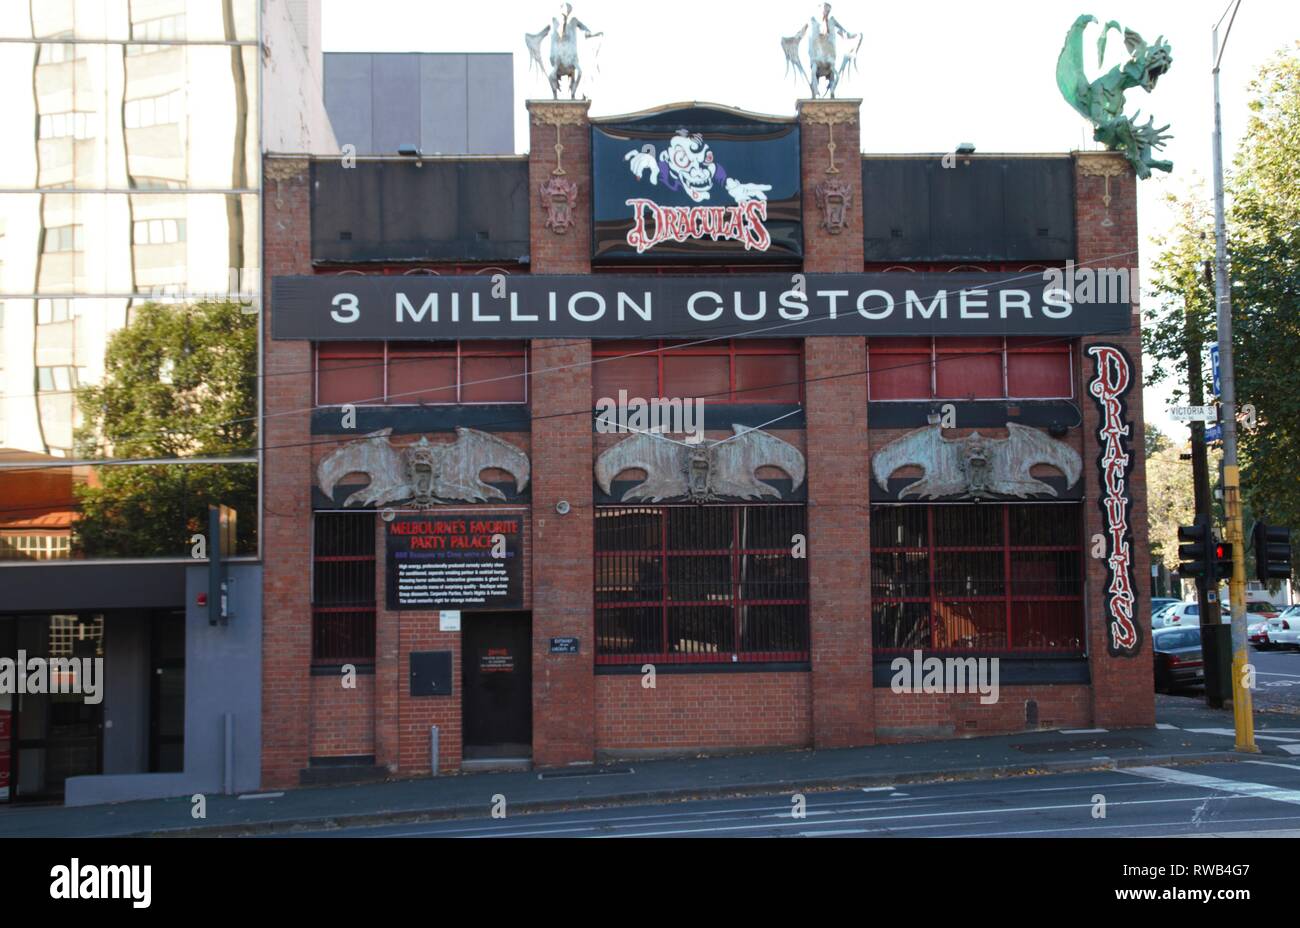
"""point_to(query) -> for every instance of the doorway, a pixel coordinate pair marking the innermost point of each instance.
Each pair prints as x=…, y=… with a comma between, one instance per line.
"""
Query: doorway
x=497, y=662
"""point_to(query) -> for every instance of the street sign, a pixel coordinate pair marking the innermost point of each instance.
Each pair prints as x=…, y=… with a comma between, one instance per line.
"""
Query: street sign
x=1214, y=364
x=1194, y=413
x=1213, y=433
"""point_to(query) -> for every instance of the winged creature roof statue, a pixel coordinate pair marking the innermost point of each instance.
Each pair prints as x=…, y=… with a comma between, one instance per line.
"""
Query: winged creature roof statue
x=564, y=50
x=823, y=60
x=1101, y=102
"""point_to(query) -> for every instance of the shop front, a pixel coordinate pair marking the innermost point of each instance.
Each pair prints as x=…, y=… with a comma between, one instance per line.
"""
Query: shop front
x=748, y=441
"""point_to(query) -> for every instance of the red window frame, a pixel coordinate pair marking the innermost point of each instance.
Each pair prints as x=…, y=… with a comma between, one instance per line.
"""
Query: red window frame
x=730, y=348
x=936, y=600
x=383, y=354
x=955, y=346
x=737, y=601
x=343, y=608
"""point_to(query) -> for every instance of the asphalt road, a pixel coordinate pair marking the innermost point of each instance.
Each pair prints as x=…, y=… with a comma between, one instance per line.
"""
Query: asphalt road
x=1277, y=683
x=1260, y=796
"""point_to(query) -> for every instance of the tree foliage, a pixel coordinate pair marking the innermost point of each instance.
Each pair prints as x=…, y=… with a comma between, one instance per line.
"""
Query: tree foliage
x=179, y=381
x=1264, y=253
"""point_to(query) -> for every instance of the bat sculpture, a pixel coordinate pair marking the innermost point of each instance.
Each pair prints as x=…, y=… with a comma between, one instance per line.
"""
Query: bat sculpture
x=707, y=471
x=425, y=472
x=976, y=466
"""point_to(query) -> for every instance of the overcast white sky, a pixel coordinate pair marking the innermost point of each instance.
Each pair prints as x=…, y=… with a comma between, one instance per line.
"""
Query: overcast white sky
x=932, y=73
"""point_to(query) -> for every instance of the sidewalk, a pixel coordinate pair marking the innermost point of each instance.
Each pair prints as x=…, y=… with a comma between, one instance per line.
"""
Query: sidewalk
x=470, y=795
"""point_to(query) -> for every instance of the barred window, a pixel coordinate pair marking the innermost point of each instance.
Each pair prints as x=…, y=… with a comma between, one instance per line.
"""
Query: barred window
x=736, y=370
x=987, y=577
x=688, y=583
x=411, y=373
x=969, y=368
x=343, y=588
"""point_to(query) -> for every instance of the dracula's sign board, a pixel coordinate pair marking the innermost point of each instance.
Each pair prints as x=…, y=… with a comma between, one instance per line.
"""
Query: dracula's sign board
x=699, y=183
x=455, y=561
x=618, y=306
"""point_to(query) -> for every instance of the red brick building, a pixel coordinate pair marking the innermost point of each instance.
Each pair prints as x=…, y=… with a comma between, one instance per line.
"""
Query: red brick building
x=711, y=618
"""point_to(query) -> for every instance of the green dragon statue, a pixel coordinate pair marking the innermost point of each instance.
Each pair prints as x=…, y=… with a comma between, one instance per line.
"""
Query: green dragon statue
x=1102, y=101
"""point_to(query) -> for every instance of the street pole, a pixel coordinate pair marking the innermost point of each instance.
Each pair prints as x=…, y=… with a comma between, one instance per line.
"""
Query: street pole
x=1215, y=650
x=1241, y=699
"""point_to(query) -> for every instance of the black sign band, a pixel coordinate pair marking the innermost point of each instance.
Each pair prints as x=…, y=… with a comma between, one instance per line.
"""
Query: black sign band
x=761, y=305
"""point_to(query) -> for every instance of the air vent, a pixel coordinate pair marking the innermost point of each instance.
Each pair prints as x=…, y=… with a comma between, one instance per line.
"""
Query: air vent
x=345, y=236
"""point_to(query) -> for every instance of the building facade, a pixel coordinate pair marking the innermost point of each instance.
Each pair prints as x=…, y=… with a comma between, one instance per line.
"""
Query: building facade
x=918, y=436
x=130, y=283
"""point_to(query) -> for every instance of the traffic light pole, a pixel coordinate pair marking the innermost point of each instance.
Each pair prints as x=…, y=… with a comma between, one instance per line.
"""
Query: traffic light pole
x=1242, y=709
x=1212, y=642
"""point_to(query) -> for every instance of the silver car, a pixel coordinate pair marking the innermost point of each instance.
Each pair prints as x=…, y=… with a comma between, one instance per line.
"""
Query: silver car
x=1284, y=630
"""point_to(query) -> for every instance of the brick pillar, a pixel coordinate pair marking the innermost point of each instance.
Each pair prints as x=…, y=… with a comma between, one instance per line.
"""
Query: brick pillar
x=838, y=459
x=286, y=487
x=1122, y=693
x=564, y=723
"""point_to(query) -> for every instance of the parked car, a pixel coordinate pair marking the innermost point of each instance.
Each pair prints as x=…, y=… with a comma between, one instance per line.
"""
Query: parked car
x=1177, y=652
x=1159, y=617
x=1284, y=629
x=1258, y=636
x=1159, y=603
x=1185, y=614
x=1262, y=610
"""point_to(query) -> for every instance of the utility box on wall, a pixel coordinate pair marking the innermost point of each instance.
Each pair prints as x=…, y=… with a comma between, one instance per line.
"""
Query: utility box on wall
x=431, y=673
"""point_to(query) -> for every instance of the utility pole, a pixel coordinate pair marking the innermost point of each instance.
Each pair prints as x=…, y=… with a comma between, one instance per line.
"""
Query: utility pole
x=1242, y=710
x=1216, y=647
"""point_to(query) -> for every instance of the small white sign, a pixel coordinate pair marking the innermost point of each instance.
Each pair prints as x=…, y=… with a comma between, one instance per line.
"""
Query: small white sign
x=449, y=620
x=1194, y=413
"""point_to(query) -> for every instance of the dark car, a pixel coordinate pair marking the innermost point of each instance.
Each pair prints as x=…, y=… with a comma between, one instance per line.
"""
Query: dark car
x=1177, y=653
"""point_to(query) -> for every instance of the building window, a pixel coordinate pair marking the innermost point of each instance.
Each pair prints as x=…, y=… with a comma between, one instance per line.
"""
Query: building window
x=154, y=111
x=987, y=577
x=161, y=28
x=35, y=547
x=55, y=52
x=754, y=370
x=969, y=368
x=68, y=125
x=700, y=584
x=50, y=310
x=343, y=588
x=58, y=379
x=158, y=231
x=421, y=373
x=58, y=239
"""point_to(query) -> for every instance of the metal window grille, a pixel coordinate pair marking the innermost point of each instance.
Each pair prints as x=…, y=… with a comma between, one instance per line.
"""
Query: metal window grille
x=343, y=587
x=984, y=577
x=730, y=360
x=700, y=584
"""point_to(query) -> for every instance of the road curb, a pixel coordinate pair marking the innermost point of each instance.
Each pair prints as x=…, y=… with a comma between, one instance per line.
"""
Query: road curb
x=734, y=790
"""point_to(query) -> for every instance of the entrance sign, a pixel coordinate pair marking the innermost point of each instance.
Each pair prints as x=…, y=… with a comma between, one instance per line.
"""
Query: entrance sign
x=445, y=562
x=617, y=306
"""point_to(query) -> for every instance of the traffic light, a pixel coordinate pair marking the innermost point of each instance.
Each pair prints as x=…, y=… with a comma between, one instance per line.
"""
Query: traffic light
x=1193, y=549
x=1272, y=551
x=1222, y=561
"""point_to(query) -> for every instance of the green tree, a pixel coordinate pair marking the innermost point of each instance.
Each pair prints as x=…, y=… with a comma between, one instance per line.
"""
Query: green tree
x=179, y=381
x=1264, y=254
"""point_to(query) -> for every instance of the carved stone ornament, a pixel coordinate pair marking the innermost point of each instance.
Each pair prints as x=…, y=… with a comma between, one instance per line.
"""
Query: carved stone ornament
x=707, y=471
x=830, y=115
x=559, y=114
x=834, y=199
x=558, y=198
x=426, y=473
x=976, y=467
x=1107, y=165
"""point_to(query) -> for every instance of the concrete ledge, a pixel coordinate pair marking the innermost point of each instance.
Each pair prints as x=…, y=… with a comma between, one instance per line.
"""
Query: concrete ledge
x=125, y=787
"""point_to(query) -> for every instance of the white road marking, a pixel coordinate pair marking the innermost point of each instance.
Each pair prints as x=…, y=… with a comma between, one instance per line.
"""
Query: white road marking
x=1084, y=731
x=1232, y=734
x=1274, y=763
x=261, y=795
x=1289, y=748
x=1237, y=787
x=1165, y=726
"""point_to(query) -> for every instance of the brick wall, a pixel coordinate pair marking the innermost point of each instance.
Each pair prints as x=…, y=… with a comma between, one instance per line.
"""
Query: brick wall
x=838, y=462
x=563, y=578
x=902, y=717
x=286, y=488
x=692, y=711
x=342, y=720
x=1122, y=690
